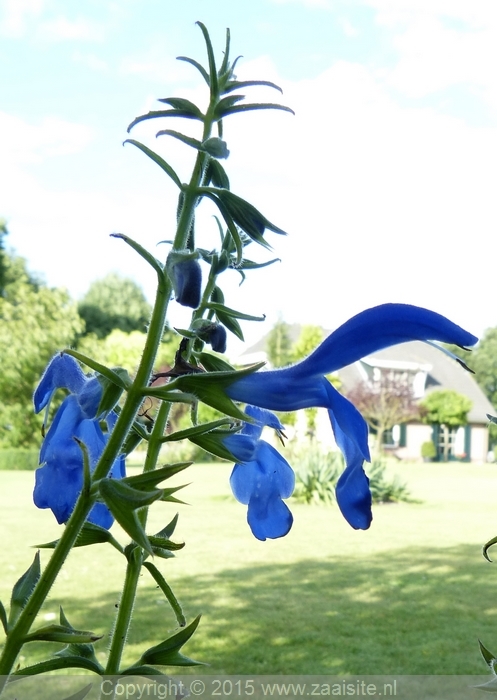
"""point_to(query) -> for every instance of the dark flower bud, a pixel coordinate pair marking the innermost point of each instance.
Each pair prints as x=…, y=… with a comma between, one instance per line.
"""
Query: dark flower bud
x=186, y=277
x=212, y=333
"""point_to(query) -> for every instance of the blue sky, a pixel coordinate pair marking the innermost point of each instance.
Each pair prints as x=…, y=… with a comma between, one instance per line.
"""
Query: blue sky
x=385, y=179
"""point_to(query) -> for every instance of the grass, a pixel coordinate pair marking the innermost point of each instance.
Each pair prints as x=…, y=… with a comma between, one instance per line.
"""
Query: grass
x=410, y=596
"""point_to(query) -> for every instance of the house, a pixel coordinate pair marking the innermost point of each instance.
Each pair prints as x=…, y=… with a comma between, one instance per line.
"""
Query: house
x=427, y=369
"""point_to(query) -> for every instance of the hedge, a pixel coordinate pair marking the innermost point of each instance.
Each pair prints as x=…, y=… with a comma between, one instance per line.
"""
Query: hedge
x=19, y=458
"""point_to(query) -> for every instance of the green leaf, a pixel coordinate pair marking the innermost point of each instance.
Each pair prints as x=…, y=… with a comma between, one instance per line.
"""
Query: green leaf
x=224, y=104
x=195, y=430
x=197, y=65
x=61, y=633
x=231, y=324
x=158, y=114
x=167, y=590
x=80, y=694
x=242, y=84
x=23, y=588
x=3, y=618
x=188, y=140
x=89, y=534
x=246, y=215
x=255, y=106
x=167, y=653
x=123, y=501
x=168, y=169
x=184, y=106
x=213, y=84
x=226, y=311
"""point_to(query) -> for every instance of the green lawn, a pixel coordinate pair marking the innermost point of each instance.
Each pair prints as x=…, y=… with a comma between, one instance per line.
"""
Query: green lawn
x=410, y=596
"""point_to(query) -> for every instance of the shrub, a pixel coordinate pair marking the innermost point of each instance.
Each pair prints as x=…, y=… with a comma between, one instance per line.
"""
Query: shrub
x=19, y=459
x=428, y=450
x=386, y=490
x=316, y=474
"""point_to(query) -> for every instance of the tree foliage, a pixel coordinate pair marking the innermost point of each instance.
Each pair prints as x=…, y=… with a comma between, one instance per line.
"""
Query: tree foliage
x=384, y=403
x=445, y=407
x=484, y=363
x=35, y=322
x=279, y=345
x=114, y=302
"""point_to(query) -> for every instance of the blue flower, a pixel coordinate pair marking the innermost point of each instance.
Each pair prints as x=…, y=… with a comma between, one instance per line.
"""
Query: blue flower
x=59, y=480
x=262, y=478
x=304, y=385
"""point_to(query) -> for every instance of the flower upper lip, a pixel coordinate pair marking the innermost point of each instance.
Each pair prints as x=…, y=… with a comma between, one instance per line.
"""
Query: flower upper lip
x=304, y=385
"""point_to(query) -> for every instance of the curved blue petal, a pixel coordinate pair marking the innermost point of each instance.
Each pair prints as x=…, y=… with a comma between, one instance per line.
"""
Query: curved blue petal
x=89, y=397
x=57, y=488
x=279, y=390
x=378, y=328
x=62, y=372
x=262, y=484
x=242, y=447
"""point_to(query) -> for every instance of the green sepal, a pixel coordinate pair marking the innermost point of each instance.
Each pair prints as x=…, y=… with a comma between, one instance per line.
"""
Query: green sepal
x=164, y=543
x=56, y=664
x=488, y=656
x=216, y=174
x=231, y=324
x=487, y=546
x=188, y=433
x=23, y=588
x=80, y=694
x=141, y=670
x=88, y=535
x=133, y=439
x=142, y=252
x=113, y=377
x=197, y=65
x=215, y=147
x=490, y=687
x=168, y=592
x=168, y=530
x=223, y=311
x=213, y=442
x=62, y=633
x=123, y=502
x=214, y=363
x=149, y=480
x=111, y=392
x=3, y=618
x=208, y=387
x=167, y=653
x=162, y=553
x=246, y=215
x=250, y=265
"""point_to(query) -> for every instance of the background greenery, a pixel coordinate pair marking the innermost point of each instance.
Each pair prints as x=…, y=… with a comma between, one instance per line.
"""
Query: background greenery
x=410, y=596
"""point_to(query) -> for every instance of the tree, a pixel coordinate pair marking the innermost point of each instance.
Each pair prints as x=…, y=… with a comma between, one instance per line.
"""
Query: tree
x=483, y=362
x=3, y=262
x=384, y=403
x=114, y=302
x=309, y=338
x=449, y=410
x=279, y=345
x=35, y=322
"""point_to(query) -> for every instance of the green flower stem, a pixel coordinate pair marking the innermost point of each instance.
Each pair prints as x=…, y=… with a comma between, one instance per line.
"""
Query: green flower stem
x=126, y=604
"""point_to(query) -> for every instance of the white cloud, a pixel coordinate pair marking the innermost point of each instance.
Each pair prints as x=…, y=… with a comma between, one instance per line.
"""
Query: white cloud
x=17, y=14
x=22, y=142
x=63, y=29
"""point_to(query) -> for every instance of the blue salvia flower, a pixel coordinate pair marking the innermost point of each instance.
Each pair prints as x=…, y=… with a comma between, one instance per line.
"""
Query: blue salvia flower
x=304, y=385
x=59, y=480
x=262, y=478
